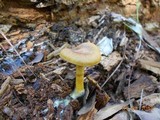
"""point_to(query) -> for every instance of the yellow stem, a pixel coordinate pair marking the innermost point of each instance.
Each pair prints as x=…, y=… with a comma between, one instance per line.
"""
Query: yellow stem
x=79, y=79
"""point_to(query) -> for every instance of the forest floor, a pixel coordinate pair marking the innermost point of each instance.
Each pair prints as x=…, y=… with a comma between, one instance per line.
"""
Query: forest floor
x=125, y=85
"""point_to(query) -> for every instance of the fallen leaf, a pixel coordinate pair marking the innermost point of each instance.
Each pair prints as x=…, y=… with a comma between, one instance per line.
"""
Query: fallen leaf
x=151, y=100
x=105, y=45
x=137, y=28
x=154, y=114
x=38, y=57
x=89, y=115
x=111, y=61
x=88, y=106
x=121, y=116
x=67, y=113
x=143, y=82
x=109, y=111
x=150, y=65
x=102, y=99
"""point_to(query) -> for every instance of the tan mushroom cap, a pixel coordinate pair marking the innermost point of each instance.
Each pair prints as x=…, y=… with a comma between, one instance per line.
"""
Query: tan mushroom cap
x=85, y=54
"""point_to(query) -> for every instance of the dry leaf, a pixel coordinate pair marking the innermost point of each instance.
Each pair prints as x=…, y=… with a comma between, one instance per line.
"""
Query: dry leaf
x=89, y=115
x=111, y=61
x=38, y=57
x=150, y=65
x=88, y=106
x=105, y=45
x=153, y=115
x=102, y=99
x=144, y=82
x=121, y=116
x=151, y=100
x=109, y=111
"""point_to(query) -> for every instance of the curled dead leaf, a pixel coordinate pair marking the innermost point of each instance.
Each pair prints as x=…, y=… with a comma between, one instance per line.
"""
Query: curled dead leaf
x=89, y=115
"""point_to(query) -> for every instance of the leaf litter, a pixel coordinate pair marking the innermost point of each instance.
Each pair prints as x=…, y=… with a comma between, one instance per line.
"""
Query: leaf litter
x=34, y=78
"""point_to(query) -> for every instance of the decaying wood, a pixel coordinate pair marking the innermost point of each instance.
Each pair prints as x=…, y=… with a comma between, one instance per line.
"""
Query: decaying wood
x=25, y=11
x=15, y=12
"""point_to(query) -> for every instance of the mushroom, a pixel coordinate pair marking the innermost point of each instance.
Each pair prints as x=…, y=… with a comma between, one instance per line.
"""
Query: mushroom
x=85, y=54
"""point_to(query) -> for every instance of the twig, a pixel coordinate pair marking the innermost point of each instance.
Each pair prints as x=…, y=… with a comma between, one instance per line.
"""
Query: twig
x=8, y=41
x=115, y=68
x=5, y=85
x=14, y=64
x=140, y=103
x=97, y=35
x=129, y=85
x=44, y=77
x=56, y=52
x=112, y=74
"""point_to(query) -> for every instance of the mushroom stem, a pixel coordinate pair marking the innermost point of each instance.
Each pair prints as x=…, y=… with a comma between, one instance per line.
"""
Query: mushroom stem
x=79, y=79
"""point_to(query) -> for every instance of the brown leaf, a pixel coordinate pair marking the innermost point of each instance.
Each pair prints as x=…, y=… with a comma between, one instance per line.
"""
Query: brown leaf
x=89, y=115
x=109, y=111
x=154, y=114
x=121, y=116
x=88, y=106
x=102, y=99
x=144, y=82
x=150, y=65
x=111, y=61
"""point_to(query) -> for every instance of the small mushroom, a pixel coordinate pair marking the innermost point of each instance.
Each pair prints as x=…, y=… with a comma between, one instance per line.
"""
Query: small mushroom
x=86, y=54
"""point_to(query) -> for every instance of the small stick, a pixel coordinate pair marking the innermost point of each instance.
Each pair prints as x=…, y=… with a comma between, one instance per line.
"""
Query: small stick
x=140, y=104
x=15, y=51
x=112, y=74
x=14, y=65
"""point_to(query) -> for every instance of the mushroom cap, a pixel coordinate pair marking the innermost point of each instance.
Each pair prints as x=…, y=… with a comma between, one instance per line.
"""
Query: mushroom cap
x=85, y=54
